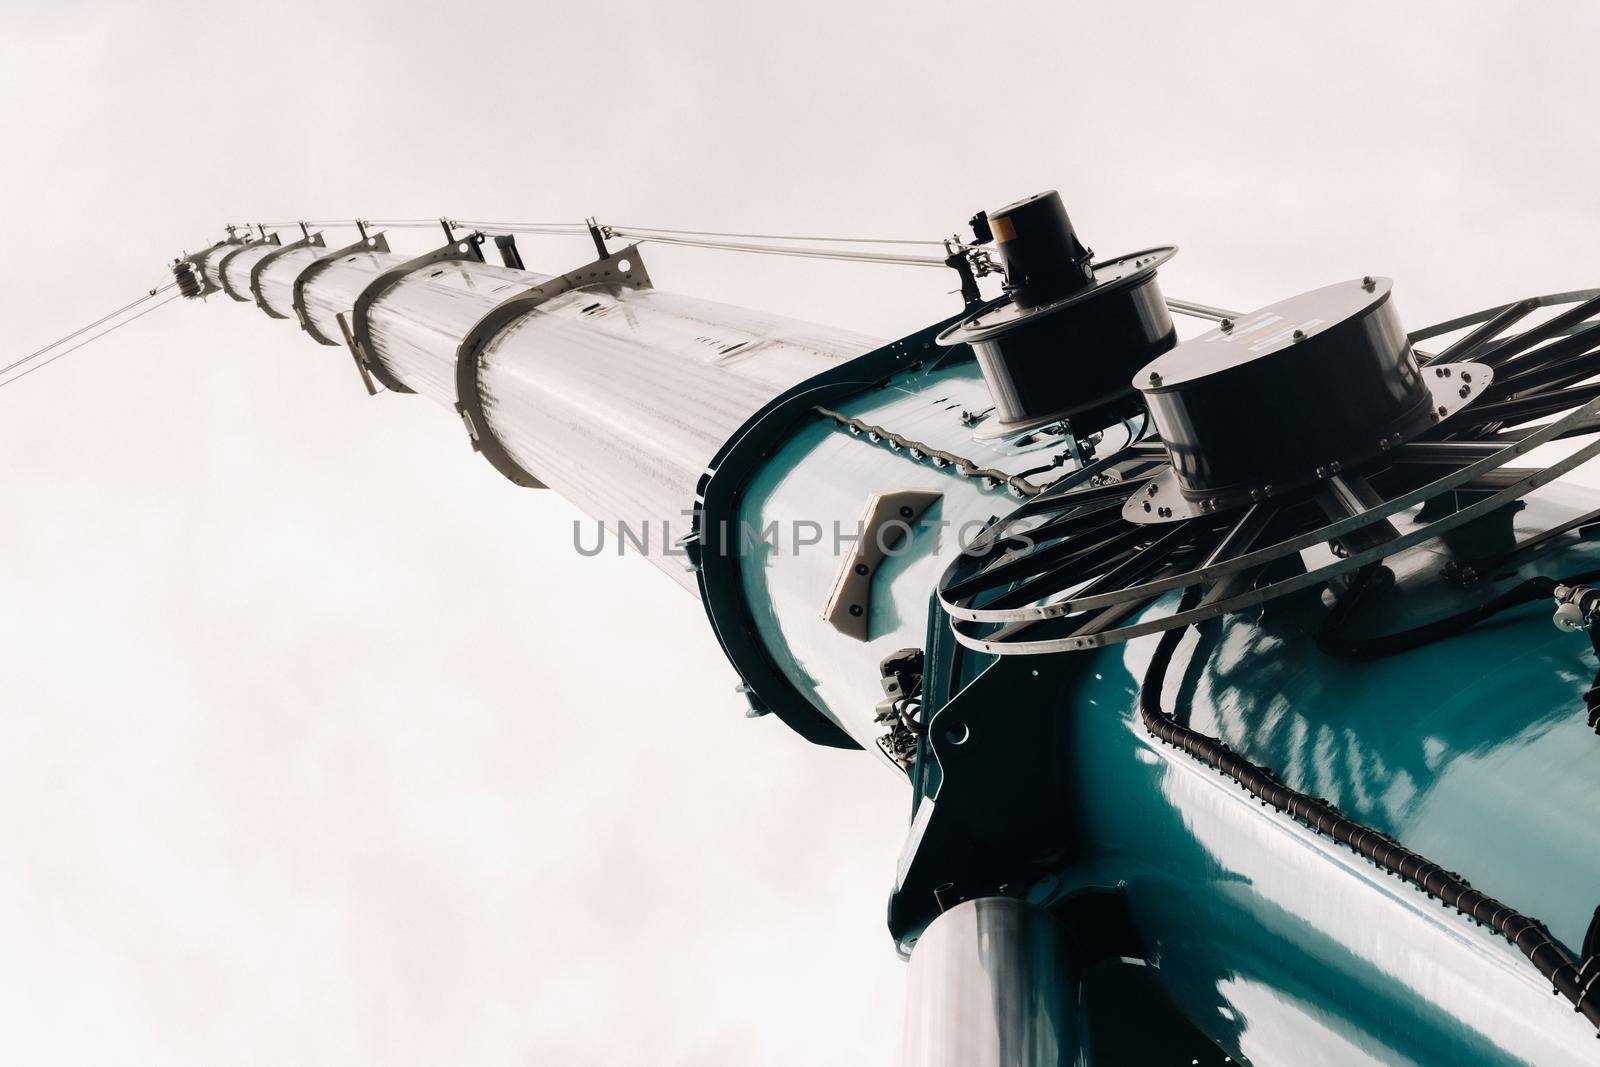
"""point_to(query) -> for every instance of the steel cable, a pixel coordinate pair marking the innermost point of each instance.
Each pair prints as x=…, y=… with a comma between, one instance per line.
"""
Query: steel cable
x=80, y=344
x=84, y=329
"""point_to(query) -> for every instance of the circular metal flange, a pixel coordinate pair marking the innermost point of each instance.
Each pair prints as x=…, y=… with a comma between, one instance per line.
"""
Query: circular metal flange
x=1071, y=357
x=1003, y=316
x=1451, y=386
x=1066, y=571
x=259, y=267
x=376, y=243
x=1325, y=377
x=222, y=266
x=466, y=248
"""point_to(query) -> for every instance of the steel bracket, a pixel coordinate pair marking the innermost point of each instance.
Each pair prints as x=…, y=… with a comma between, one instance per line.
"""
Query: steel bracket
x=468, y=248
x=309, y=241
x=222, y=267
x=376, y=243
x=622, y=270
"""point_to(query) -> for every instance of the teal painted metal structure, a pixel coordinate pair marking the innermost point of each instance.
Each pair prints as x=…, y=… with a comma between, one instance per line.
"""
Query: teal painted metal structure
x=1037, y=776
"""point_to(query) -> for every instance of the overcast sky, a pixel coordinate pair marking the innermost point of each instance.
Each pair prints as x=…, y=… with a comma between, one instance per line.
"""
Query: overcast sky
x=319, y=743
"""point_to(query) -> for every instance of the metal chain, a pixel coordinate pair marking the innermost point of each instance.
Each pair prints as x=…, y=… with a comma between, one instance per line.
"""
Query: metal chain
x=964, y=467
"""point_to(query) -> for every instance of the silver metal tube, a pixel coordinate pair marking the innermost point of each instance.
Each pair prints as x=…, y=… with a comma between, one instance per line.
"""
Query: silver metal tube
x=419, y=321
x=617, y=399
x=1201, y=311
x=277, y=280
x=238, y=267
x=333, y=290
x=994, y=983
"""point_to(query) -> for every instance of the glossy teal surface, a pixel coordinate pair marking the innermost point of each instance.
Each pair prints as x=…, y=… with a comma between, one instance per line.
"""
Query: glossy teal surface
x=822, y=480
x=1280, y=945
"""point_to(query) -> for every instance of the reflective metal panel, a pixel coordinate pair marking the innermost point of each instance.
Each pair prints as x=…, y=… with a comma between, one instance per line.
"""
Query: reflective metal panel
x=993, y=983
x=438, y=305
x=277, y=281
x=211, y=265
x=618, y=399
x=334, y=289
x=238, y=267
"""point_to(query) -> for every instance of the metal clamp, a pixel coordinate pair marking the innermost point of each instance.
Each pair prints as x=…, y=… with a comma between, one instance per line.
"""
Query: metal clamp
x=469, y=247
x=622, y=269
x=375, y=243
x=222, y=267
x=309, y=241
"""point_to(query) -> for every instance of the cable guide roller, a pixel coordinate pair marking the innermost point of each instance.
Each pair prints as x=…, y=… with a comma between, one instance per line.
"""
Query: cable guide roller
x=196, y=262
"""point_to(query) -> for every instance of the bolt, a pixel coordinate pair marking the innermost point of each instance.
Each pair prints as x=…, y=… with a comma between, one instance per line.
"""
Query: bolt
x=1266, y=490
x=1322, y=472
x=1299, y=335
x=1150, y=488
x=1147, y=505
x=1466, y=391
x=1226, y=326
x=1368, y=283
x=1383, y=444
x=1443, y=411
x=861, y=568
x=1444, y=371
x=1155, y=379
x=1466, y=377
x=1165, y=513
x=906, y=513
x=855, y=609
x=1255, y=494
x=1335, y=466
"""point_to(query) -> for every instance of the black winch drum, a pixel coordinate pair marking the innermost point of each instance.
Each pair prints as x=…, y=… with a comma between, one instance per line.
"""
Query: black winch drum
x=1063, y=341
x=1295, y=392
